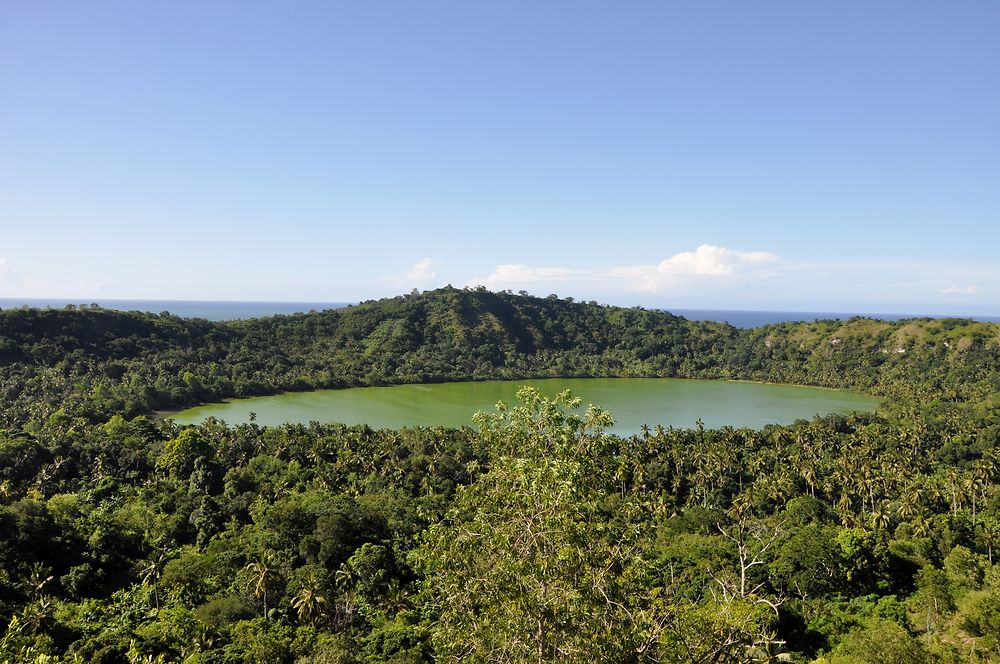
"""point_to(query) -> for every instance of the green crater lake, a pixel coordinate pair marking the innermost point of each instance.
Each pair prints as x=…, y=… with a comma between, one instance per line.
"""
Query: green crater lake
x=633, y=402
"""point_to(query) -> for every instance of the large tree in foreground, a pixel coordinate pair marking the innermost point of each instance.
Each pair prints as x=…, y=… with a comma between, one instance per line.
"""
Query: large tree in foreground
x=536, y=561
x=544, y=557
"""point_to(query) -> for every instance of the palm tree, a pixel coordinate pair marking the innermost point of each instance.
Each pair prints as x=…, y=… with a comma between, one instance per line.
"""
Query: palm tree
x=907, y=507
x=38, y=579
x=36, y=613
x=808, y=473
x=881, y=518
x=345, y=579
x=395, y=597
x=309, y=603
x=261, y=579
x=952, y=477
x=934, y=490
x=971, y=486
x=316, y=455
x=921, y=525
x=989, y=534
x=151, y=573
x=844, y=507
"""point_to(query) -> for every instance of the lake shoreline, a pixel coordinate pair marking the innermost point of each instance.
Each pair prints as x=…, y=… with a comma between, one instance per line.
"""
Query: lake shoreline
x=654, y=401
x=167, y=413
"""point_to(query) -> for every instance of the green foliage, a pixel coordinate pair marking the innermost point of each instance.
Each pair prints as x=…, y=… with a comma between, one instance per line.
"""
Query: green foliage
x=542, y=428
x=810, y=563
x=984, y=620
x=124, y=538
x=182, y=453
x=529, y=564
x=864, y=558
x=712, y=631
x=934, y=598
x=964, y=569
x=92, y=364
x=880, y=641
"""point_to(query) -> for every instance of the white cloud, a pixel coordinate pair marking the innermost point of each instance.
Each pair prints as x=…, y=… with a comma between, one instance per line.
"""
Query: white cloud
x=508, y=276
x=707, y=263
x=958, y=290
x=711, y=260
x=421, y=275
x=714, y=276
x=423, y=270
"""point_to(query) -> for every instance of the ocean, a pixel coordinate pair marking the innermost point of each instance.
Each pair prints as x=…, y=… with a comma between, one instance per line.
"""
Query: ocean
x=221, y=310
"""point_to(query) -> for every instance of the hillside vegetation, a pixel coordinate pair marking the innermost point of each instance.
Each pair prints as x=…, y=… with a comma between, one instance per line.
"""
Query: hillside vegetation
x=94, y=363
x=125, y=538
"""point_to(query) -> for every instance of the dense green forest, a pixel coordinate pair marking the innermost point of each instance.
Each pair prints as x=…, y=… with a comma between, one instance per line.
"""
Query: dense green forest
x=531, y=536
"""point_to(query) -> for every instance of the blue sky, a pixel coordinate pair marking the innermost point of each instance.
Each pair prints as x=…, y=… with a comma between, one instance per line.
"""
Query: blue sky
x=775, y=155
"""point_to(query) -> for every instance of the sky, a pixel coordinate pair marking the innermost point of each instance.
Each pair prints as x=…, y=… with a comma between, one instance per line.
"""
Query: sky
x=809, y=156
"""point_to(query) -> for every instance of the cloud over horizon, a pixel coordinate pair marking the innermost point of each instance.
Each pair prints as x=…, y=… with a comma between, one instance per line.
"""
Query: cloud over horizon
x=422, y=275
x=707, y=263
x=715, y=275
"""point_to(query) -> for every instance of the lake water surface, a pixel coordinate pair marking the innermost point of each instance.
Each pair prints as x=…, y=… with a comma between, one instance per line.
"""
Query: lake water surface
x=632, y=401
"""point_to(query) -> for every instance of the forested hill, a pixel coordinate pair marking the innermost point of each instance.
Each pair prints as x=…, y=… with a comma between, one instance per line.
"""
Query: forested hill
x=857, y=539
x=93, y=363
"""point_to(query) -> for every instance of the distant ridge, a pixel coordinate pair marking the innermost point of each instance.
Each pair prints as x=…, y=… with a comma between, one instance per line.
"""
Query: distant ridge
x=110, y=361
x=223, y=310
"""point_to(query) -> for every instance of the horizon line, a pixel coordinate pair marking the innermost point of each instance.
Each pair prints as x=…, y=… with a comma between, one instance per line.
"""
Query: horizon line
x=64, y=301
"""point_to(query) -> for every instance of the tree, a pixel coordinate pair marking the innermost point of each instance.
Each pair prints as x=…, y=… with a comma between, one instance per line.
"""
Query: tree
x=151, y=572
x=530, y=564
x=715, y=630
x=752, y=539
x=934, y=596
x=806, y=563
x=984, y=619
x=964, y=569
x=261, y=578
x=309, y=602
x=880, y=641
x=180, y=453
